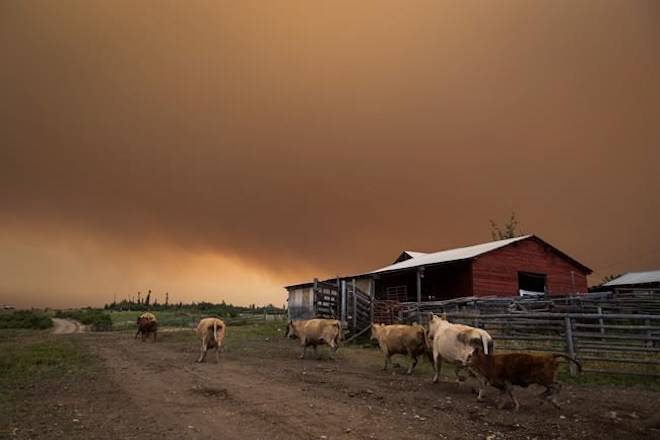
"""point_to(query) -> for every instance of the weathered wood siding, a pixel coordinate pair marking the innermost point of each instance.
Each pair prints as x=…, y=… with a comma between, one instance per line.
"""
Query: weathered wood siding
x=301, y=303
x=496, y=273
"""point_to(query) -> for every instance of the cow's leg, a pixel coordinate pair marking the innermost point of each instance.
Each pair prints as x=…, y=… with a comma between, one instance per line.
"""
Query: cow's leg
x=413, y=364
x=144, y=336
x=333, y=347
x=316, y=352
x=501, y=403
x=437, y=367
x=217, y=354
x=509, y=390
x=388, y=360
x=202, y=355
x=482, y=388
x=155, y=332
x=136, y=334
x=550, y=394
x=458, y=369
x=304, y=344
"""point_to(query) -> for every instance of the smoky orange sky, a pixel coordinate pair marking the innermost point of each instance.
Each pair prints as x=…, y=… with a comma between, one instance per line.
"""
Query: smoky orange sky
x=222, y=149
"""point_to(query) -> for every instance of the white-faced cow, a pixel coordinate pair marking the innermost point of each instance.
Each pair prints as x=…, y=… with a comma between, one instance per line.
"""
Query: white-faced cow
x=454, y=343
x=314, y=332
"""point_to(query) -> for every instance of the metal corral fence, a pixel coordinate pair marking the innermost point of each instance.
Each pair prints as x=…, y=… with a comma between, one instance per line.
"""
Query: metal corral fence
x=604, y=343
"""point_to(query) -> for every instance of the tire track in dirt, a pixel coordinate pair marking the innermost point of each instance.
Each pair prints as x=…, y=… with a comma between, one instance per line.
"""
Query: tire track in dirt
x=66, y=326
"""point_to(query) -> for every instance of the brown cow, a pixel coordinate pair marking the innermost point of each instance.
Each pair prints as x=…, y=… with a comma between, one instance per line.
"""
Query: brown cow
x=212, y=333
x=400, y=339
x=313, y=332
x=523, y=369
x=146, y=324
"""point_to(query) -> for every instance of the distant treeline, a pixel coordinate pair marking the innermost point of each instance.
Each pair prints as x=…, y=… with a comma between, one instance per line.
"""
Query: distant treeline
x=220, y=309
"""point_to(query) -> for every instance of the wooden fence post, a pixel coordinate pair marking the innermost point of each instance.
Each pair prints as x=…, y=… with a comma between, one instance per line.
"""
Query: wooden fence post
x=343, y=301
x=354, y=306
x=372, y=283
x=570, y=348
x=600, y=322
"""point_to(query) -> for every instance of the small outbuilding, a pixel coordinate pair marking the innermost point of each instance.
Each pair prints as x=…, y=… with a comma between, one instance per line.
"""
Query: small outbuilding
x=636, y=280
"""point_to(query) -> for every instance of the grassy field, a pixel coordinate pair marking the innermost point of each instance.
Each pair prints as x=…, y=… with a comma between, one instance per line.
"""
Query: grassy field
x=179, y=319
x=29, y=359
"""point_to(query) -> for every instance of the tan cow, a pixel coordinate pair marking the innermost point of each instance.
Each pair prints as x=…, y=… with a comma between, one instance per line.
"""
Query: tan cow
x=212, y=333
x=454, y=343
x=400, y=339
x=314, y=332
x=146, y=324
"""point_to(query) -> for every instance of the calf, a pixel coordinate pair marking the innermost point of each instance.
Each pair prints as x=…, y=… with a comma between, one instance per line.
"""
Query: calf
x=454, y=343
x=523, y=369
x=314, y=332
x=400, y=339
x=146, y=324
x=212, y=333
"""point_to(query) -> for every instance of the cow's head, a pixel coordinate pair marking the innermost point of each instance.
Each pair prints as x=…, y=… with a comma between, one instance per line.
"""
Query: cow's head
x=291, y=330
x=375, y=329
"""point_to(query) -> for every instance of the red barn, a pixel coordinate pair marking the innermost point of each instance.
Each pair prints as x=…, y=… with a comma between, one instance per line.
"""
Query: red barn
x=520, y=265
x=504, y=268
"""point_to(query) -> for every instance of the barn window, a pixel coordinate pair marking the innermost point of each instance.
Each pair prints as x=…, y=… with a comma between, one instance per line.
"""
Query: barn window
x=531, y=282
x=396, y=293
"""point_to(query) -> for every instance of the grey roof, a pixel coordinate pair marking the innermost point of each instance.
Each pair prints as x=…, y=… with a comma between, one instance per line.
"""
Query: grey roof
x=652, y=276
x=446, y=256
x=415, y=254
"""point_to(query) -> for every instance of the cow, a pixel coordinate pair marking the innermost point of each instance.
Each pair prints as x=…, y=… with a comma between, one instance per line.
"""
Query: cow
x=314, y=332
x=400, y=339
x=146, y=324
x=212, y=333
x=502, y=371
x=454, y=343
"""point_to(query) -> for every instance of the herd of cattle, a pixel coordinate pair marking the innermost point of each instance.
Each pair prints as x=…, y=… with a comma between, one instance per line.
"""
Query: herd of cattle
x=467, y=348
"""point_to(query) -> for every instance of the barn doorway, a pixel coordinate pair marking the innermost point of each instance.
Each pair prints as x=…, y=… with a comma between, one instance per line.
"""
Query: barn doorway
x=531, y=283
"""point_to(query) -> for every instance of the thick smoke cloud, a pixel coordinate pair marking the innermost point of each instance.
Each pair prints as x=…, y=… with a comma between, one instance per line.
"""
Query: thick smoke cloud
x=305, y=139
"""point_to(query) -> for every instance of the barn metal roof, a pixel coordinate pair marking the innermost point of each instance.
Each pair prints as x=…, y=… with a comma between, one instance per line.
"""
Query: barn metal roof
x=449, y=255
x=415, y=254
x=651, y=276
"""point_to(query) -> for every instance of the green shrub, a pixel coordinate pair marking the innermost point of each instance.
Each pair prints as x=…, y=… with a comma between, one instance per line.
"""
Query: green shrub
x=98, y=320
x=25, y=319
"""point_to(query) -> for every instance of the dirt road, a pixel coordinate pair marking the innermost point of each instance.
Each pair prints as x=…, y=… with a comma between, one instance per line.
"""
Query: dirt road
x=260, y=390
x=66, y=326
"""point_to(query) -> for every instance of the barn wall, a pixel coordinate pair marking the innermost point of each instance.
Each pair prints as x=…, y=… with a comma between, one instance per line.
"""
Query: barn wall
x=496, y=273
x=301, y=304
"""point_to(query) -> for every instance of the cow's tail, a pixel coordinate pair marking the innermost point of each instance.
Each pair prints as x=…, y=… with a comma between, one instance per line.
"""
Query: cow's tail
x=215, y=331
x=568, y=358
x=486, y=341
